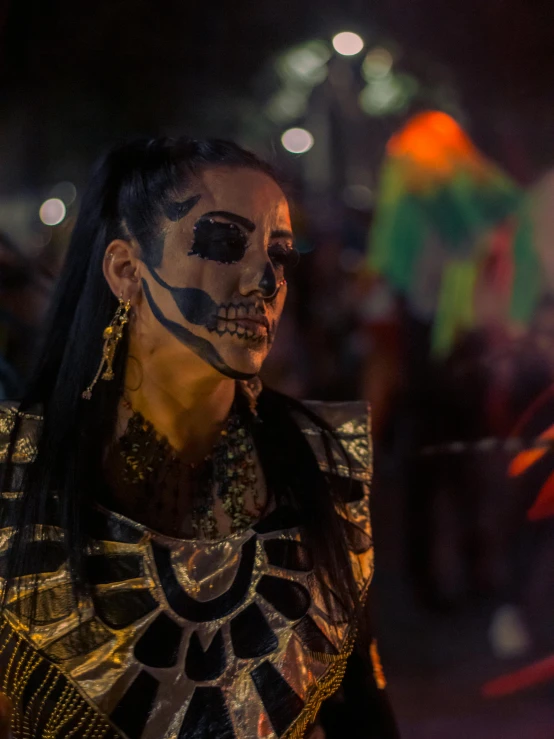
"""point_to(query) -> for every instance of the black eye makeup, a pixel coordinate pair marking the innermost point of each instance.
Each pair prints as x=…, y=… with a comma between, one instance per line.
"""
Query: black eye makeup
x=221, y=242
x=226, y=243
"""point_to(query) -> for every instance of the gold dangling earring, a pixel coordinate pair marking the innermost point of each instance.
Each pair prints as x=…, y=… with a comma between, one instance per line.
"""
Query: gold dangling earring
x=112, y=336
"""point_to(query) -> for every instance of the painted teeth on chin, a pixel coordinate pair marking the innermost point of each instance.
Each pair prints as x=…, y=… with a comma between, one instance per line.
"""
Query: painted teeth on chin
x=232, y=327
x=241, y=330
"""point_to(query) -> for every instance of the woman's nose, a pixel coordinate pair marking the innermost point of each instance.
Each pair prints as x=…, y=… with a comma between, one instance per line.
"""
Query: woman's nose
x=259, y=277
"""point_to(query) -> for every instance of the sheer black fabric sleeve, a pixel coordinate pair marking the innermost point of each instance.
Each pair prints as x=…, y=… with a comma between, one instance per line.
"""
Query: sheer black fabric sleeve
x=361, y=708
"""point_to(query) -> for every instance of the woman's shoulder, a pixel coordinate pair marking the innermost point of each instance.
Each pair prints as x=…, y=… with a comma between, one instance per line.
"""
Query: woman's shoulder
x=350, y=422
x=28, y=425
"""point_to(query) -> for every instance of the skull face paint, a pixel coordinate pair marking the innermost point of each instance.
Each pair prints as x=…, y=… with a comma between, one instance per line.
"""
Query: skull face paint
x=175, y=211
x=200, y=346
x=220, y=286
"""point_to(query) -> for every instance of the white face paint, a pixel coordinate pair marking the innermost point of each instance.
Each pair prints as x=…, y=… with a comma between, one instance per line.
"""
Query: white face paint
x=220, y=288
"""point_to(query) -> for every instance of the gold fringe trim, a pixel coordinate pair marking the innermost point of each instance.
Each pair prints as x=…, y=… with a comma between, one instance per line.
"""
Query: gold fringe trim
x=71, y=713
x=333, y=678
x=329, y=683
x=324, y=658
x=326, y=687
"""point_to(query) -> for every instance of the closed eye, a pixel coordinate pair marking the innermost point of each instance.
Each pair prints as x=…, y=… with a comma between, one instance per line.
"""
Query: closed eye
x=283, y=255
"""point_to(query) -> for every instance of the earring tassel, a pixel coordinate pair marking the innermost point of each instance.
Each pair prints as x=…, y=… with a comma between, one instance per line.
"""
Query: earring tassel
x=87, y=394
x=112, y=336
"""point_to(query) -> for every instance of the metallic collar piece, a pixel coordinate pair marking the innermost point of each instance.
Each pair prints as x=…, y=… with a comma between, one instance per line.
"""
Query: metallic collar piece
x=186, y=638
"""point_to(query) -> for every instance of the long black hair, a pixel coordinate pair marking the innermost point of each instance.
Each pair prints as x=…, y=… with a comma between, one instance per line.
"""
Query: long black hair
x=127, y=193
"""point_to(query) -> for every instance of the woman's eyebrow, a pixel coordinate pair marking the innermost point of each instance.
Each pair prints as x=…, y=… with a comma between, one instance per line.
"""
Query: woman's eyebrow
x=233, y=217
x=282, y=233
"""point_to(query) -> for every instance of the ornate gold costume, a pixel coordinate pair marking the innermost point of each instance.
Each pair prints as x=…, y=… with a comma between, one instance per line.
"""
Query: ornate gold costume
x=185, y=638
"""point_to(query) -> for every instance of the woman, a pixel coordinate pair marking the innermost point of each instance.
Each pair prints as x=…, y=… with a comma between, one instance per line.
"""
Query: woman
x=185, y=554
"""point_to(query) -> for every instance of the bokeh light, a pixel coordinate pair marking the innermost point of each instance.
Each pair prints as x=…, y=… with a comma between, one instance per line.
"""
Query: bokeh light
x=297, y=140
x=388, y=95
x=377, y=64
x=305, y=64
x=287, y=105
x=52, y=211
x=348, y=43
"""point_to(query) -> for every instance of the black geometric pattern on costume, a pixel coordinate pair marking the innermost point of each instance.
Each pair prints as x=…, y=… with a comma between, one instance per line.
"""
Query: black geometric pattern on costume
x=207, y=716
x=52, y=605
x=102, y=528
x=288, y=555
x=123, y=607
x=278, y=520
x=201, y=665
x=281, y=703
x=203, y=611
x=12, y=482
x=251, y=635
x=102, y=568
x=48, y=556
x=11, y=507
x=159, y=645
x=132, y=711
x=286, y=596
x=312, y=637
x=92, y=635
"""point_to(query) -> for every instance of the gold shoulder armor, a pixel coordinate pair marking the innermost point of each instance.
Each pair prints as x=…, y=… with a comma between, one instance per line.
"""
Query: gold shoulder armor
x=25, y=445
x=351, y=422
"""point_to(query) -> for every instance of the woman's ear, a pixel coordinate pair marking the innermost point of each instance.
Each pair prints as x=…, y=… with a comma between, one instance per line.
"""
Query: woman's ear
x=121, y=268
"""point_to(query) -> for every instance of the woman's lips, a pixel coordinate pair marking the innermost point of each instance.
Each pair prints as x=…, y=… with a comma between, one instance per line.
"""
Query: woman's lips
x=252, y=321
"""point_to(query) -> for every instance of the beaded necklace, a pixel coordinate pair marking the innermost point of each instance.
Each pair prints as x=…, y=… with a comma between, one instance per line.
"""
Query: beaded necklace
x=154, y=471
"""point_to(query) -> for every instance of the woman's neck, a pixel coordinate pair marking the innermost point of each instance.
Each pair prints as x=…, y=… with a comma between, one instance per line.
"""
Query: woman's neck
x=187, y=405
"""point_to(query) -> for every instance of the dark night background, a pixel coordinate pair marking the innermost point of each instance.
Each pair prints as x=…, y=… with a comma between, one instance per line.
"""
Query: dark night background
x=76, y=77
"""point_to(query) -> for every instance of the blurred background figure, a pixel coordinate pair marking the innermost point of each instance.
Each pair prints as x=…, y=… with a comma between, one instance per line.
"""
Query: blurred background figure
x=24, y=293
x=417, y=142
x=448, y=238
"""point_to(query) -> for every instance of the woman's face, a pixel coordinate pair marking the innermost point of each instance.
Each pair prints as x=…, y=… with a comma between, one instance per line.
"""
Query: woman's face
x=217, y=283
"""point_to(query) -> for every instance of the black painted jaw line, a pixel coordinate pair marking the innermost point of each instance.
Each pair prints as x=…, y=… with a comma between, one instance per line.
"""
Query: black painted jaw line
x=200, y=346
